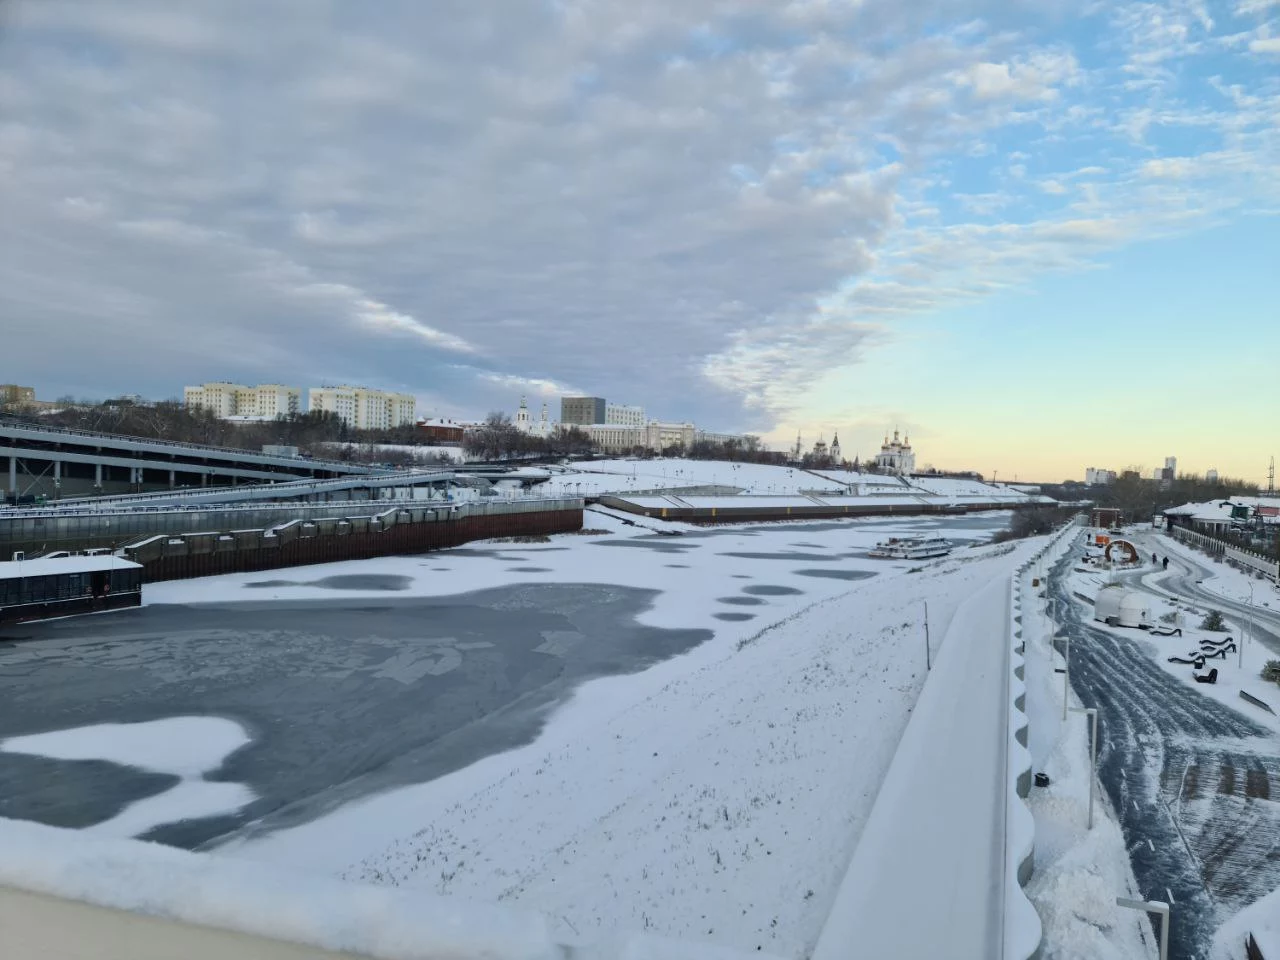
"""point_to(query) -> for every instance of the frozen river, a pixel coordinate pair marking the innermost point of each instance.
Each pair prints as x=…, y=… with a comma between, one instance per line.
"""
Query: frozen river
x=351, y=679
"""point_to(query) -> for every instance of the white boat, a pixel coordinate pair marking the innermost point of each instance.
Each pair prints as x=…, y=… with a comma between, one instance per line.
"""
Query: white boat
x=911, y=548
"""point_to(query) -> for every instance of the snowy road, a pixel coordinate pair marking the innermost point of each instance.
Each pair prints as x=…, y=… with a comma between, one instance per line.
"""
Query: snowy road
x=1194, y=782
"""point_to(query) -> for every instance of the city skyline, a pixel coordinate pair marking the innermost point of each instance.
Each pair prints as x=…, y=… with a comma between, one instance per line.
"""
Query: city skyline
x=1034, y=238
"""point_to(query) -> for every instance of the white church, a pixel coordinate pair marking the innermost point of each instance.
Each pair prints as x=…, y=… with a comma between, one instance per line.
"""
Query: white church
x=526, y=424
x=896, y=456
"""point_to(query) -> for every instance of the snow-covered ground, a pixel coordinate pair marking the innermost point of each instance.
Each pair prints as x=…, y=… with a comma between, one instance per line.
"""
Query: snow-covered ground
x=716, y=796
x=623, y=476
x=1227, y=581
x=1227, y=823
x=1078, y=872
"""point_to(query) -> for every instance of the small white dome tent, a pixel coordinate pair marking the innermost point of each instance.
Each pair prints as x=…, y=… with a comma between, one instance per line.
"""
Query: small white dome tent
x=1134, y=609
x=1121, y=608
x=1107, y=605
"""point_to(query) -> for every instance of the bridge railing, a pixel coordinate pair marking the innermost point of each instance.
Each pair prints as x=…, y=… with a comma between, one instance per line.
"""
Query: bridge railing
x=7, y=424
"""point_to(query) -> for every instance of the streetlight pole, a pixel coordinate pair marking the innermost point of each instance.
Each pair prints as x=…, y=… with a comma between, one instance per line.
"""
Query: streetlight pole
x=1240, y=659
x=928, y=664
x=1152, y=906
x=1092, y=713
x=1066, y=677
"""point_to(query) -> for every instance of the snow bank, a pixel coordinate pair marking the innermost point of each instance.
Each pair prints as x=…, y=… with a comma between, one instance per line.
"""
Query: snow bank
x=716, y=797
x=258, y=899
x=1261, y=921
x=940, y=813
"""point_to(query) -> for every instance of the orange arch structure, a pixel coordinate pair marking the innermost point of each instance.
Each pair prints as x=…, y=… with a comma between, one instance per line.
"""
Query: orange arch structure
x=1128, y=553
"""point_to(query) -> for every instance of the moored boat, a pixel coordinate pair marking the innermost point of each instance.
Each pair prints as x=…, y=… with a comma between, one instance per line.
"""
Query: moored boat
x=911, y=548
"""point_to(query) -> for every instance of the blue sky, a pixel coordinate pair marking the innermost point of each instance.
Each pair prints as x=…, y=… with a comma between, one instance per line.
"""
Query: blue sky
x=770, y=215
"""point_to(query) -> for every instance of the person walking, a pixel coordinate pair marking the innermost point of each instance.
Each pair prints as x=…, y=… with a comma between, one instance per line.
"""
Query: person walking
x=1166, y=563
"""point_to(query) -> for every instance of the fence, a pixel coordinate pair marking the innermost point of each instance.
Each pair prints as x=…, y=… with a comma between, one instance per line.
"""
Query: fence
x=399, y=530
x=1238, y=556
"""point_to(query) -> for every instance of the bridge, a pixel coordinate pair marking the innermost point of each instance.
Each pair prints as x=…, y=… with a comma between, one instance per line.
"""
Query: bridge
x=56, y=462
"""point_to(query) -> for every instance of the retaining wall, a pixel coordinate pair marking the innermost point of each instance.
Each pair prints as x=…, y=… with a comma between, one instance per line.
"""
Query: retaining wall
x=830, y=511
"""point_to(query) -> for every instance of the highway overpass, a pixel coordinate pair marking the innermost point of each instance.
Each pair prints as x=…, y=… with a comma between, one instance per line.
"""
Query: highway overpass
x=54, y=462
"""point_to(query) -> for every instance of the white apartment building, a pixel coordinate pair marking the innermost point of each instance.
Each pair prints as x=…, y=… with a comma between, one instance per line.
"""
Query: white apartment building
x=224, y=399
x=618, y=415
x=363, y=409
x=611, y=438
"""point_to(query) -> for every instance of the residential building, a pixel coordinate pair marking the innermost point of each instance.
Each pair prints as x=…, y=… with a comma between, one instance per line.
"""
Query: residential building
x=624, y=416
x=363, y=409
x=236, y=400
x=896, y=456
x=1211, y=476
x=12, y=395
x=1170, y=471
x=582, y=410
x=442, y=431
x=1094, y=476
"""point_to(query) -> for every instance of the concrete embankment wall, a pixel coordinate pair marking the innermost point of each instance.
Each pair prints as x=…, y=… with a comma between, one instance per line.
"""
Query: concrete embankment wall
x=35, y=925
x=802, y=511
x=400, y=530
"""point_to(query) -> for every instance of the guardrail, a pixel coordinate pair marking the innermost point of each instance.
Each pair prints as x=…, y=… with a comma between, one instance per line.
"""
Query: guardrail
x=33, y=427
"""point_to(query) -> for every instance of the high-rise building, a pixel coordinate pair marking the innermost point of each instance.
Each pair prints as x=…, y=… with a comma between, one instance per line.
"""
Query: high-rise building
x=1170, y=471
x=13, y=395
x=1095, y=475
x=1211, y=476
x=363, y=409
x=582, y=410
x=264, y=402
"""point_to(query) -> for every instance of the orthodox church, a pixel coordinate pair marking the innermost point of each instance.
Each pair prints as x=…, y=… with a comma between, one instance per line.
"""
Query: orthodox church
x=526, y=424
x=896, y=456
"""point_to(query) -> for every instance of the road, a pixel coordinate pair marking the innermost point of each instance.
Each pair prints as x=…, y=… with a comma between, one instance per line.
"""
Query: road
x=1194, y=783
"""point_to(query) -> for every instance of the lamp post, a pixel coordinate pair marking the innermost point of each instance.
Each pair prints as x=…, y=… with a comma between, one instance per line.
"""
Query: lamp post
x=1240, y=659
x=1152, y=906
x=1092, y=713
x=1066, y=676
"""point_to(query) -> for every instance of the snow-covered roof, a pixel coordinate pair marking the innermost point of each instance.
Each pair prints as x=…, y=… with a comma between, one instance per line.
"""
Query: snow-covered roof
x=48, y=566
x=1220, y=510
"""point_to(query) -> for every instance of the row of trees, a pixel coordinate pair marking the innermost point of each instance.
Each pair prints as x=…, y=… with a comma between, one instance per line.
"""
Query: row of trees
x=500, y=439
x=1142, y=498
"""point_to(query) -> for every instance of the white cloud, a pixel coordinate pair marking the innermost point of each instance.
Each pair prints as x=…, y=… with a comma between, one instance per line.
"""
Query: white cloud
x=574, y=193
x=1265, y=45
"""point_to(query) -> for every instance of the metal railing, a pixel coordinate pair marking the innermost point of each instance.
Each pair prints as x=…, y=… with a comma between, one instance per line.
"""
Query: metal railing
x=8, y=423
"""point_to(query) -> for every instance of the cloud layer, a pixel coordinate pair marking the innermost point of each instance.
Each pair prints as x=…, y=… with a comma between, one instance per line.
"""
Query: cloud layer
x=692, y=204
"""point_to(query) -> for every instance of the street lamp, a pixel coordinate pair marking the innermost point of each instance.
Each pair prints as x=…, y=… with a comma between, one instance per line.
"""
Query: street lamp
x=1240, y=659
x=1152, y=906
x=1092, y=713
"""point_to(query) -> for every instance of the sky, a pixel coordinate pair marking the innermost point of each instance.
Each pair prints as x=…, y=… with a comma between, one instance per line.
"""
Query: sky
x=1036, y=236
